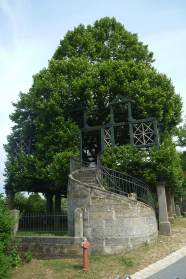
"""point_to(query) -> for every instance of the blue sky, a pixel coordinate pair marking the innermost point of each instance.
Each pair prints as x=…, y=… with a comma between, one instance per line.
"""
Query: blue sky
x=30, y=31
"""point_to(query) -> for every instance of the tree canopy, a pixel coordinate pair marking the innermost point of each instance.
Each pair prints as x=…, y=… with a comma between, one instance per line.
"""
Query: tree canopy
x=163, y=164
x=91, y=66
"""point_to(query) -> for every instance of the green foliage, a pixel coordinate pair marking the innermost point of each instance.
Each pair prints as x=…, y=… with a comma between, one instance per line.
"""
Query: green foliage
x=91, y=66
x=183, y=160
x=15, y=258
x=6, y=224
x=28, y=256
x=60, y=167
x=34, y=203
x=5, y=262
x=180, y=132
x=153, y=166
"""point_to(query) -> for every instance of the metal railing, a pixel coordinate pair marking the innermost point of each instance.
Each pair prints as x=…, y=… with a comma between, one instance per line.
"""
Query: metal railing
x=44, y=222
x=111, y=180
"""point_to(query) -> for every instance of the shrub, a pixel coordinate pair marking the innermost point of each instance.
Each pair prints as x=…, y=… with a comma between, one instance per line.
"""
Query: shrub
x=28, y=256
x=7, y=222
x=14, y=255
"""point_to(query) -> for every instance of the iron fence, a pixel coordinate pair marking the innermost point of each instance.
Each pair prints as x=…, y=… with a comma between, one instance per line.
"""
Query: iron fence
x=44, y=222
x=111, y=180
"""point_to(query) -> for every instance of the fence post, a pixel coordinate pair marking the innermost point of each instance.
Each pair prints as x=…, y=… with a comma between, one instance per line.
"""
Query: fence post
x=15, y=213
x=78, y=222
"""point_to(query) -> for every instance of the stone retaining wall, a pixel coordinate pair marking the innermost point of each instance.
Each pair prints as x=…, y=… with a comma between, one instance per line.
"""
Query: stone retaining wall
x=112, y=223
x=49, y=247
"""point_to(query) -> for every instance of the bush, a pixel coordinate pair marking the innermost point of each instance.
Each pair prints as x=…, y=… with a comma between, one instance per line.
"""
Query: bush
x=15, y=258
x=28, y=256
x=7, y=222
x=34, y=203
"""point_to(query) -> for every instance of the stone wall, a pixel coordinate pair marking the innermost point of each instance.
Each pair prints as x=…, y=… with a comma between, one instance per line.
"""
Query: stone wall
x=49, y=247
x=112, y=223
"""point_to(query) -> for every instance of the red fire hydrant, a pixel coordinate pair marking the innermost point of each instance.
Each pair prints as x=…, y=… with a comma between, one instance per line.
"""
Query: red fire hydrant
x=85, y=246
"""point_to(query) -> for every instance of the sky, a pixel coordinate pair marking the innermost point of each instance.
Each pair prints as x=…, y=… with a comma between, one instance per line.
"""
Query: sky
x=30, y=31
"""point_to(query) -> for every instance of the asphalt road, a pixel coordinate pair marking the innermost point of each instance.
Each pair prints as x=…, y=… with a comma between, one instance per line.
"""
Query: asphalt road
x=176, y=270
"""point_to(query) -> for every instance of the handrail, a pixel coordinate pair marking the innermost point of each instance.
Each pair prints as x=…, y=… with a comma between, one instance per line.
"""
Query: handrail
x=111, y=180
x=125, y=184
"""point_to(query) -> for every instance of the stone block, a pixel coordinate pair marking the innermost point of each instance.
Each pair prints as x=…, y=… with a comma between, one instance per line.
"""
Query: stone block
x=178, y=213
x=164, y=228
x=100, y=208
x=145, y=230
x=109, y=232
x=133, y=222
x=98, y=232
x=85, y=215
x=122, y=232
x=100, y=215
x=110, y=241
x=118, y=222
x=29, y=239
x=78, y=222
x=50, y=249
x=124, y=241
x=109, y=250
x=150, y=220
x=95, y=223
x=121, y=207
x=77, y=240
x=82, y=201
x=98, y=201
x=171, y=220
x=74, y=249
x=128, y=214
x=87, y=232
x=138, y=239
x=152, y=237
x=184, y=214
x=122, y=249
x=97, y=241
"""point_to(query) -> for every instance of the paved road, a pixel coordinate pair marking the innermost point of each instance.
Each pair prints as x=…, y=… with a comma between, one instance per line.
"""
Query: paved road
x=175, y=270
x=171, y=267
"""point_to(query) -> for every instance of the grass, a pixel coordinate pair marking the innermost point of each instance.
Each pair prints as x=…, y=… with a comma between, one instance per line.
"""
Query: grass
x=42, y=234
x=106, y=266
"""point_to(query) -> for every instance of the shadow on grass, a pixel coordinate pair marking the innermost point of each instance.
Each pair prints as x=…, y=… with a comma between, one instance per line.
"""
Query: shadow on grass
x=77, y=266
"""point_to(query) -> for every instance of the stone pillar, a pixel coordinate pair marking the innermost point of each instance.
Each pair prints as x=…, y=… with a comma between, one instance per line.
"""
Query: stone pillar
x=49, y=197
x=164, y=224
x=15, y=213
x=78, y=222
x=10, y=199
x=173, y=205
x=57, y=208
x=184, y=208
x=169, y=206
x=178, y=210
